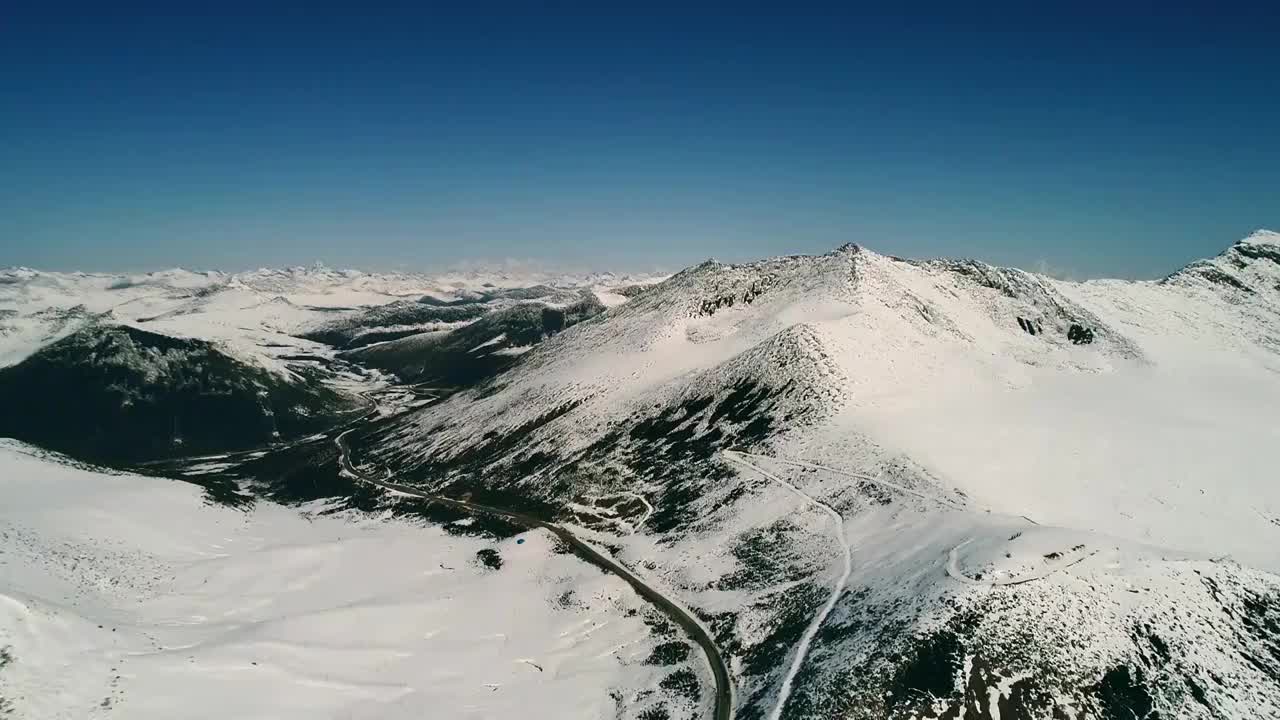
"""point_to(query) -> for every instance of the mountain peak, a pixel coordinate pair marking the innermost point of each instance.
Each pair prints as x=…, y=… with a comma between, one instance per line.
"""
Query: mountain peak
x=1262, y=236
x=1248, y=266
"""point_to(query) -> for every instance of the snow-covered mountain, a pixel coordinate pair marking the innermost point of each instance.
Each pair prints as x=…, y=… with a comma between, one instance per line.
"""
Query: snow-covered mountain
x=114, y=393
x=470, y=352
x=428, y=313
x=890, y=488
x=1046, y=485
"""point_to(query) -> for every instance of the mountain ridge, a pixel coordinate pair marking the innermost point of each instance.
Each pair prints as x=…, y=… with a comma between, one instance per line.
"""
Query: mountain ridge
x=1260, y=236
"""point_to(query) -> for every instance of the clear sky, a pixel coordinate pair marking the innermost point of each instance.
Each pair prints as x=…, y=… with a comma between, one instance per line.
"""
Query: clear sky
x=1090, y=138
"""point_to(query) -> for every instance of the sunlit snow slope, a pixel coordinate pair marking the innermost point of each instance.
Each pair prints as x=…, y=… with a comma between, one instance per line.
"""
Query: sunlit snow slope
x=126, y=596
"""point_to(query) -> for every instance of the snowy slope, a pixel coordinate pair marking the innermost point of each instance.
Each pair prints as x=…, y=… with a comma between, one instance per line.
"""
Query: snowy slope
x=124, y=596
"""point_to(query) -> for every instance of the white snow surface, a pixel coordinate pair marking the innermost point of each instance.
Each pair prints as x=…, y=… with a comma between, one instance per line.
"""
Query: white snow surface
x=126, y=596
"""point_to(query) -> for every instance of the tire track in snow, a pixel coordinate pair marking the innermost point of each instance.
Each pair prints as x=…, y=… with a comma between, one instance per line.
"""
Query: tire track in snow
x=867, y=478
x=955, y=573
x=802, y=650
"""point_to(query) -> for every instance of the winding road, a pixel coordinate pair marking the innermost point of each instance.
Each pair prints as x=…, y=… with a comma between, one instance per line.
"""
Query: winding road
x=719, y=669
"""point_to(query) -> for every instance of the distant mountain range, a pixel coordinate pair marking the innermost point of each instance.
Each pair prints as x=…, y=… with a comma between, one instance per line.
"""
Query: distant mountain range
x=316, y=279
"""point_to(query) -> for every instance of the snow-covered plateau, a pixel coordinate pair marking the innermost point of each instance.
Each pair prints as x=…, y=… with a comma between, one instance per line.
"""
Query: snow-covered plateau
x=888, y=488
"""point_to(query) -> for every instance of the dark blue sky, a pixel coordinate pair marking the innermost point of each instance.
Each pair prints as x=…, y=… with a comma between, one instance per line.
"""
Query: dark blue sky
x=1104, y=138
